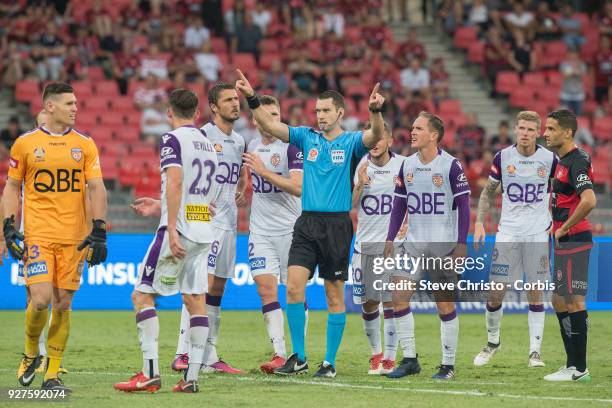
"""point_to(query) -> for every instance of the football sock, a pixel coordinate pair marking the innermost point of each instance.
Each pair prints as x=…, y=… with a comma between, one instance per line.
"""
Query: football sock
x=198, y=334
x=404, y=324
x=275, y=325
x=566, y=329
x=147, y=324
x=42, y=340
x=391, y=337
x=335, y=329
x=449, y=333
x=579, y=338
x=183, y=339
x=35, y=321
x=306, y=319
x=59, y=330
x=494, y=316
x=371, y=325
x=296, y=317
x=535, y=318
x=213, y=307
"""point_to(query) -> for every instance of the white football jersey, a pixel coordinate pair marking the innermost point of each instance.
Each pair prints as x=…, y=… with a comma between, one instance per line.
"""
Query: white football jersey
x=525, y=183
x=375, y=204
x=273, y=211
x=229, y=150
x=189, y=148
x=430, y=190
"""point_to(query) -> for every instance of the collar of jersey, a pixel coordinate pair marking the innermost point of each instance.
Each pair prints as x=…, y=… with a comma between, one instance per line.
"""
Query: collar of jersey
x=42, y=128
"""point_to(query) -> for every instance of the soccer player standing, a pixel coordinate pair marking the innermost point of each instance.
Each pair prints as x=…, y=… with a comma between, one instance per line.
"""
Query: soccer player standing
x=176, y=259
x=230, y=146
x=524, y=171
x=573, y=200
x=323, y=233
x=276, y=172
x=373, y=198
x=56, y=164
x=433, y=189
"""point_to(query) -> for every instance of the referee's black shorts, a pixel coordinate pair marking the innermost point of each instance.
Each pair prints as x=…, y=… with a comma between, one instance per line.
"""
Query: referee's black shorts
x=323, y=239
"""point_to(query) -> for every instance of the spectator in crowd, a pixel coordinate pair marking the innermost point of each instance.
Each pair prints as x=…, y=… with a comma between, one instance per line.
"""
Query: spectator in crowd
x=52, y=50
x=212, y=14
x=261, y=17
x=145, y=96
x=276, y=80
x=496, y=56
x=8, y=135
x=99, y=19
x=571, y=28
x=73, y=67
x=502, y=138
x=482, y=171
x=208, y=62
x=332, y=48
x=439, y=80
x=15, y=68
x=415, y=78
x=353, y=64
x=154, y=63
x=523, y=56
x=303, y=77
x=183, y=60
x=332, y=21
x=296, y=115
x=478, y=14
x=154, y=122
x=602, y=69
x=196, y=34
x=415, y=104
x=584, y=136
x=519, y=19
x=374, y=31
x=605, y=21
x=471, y=136
x=125, y=67
x=410, y=49
x=329, y=79
x=572, y=89
x=235, y=17
x=546, y=27
x=247, y=38
x=386, y=74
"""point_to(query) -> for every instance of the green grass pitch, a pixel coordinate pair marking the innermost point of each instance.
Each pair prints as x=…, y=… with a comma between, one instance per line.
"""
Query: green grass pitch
x=103, y=349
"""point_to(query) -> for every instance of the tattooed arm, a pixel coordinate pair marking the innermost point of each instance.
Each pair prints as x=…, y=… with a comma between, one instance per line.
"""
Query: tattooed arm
x=484, y=203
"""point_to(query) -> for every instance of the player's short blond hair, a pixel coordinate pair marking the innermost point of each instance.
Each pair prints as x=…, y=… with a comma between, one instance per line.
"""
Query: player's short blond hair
x=529, y=116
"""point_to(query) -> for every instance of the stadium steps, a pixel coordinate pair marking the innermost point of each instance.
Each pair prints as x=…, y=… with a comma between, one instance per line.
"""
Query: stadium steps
x=466, y=83
x=8, y=108
x=123, y=219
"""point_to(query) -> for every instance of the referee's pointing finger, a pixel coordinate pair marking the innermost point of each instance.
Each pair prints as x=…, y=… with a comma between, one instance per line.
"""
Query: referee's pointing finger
x=375, y=91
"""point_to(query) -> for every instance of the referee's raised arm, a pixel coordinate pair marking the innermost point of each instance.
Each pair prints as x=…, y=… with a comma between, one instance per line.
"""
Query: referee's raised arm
x=277, y=129
x=375, y=133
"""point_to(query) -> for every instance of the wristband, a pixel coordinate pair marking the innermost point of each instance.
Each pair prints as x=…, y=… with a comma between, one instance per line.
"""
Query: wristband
x=375, y=110
x=253, y=102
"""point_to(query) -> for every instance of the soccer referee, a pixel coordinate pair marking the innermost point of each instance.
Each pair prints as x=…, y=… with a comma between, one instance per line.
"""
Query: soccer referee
x=322, y=235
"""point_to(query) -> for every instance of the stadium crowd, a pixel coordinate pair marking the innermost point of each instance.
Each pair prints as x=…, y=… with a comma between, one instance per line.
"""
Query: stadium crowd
x=123, y=57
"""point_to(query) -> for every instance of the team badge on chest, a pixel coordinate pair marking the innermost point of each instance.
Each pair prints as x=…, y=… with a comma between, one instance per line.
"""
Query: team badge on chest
x=275, y=159
x=437, y=180
x=77, y=154
x=542, y=171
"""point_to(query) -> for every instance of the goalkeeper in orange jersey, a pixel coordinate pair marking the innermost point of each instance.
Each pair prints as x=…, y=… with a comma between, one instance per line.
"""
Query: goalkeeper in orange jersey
x=55, y=164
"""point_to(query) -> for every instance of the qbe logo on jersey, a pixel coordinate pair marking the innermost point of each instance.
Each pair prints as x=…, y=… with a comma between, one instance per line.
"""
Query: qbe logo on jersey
x=337, y=156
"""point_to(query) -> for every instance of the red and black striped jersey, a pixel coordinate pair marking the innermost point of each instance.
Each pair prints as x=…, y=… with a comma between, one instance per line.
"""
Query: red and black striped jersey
x=574, y=174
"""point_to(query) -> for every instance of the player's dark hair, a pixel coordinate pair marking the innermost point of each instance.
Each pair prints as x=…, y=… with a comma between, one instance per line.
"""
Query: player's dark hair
x=435, y=124
x=566, y=119
x=215, y=91
x=183, y=103
x=386, y=126
x=56, y=88
x=336, y=97
x=269, y=100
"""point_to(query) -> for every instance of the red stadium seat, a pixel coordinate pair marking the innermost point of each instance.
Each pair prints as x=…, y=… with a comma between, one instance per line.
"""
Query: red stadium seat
x=95, y=73
x=112, y=118
x=449, y=107
x=506, y=81
x=476, y=52
x=522, y=97
x=534, y=79
x=25, y=91
x=554, y=78
x=602, y=128
x=268, y=45
x=550, y=96
x=245, y=62
x=82, y=89
x=218, y=45
x=123, y=103
x=96, y=103
x=107, y=88
x=464, y=37
x=86, y=119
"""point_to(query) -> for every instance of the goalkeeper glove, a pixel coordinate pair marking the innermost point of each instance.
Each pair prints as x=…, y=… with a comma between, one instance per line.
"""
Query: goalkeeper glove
x=11, y=235
x=96, y=253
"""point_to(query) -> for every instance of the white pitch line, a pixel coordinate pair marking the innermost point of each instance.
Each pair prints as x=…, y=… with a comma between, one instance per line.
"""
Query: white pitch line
x=373, y=387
